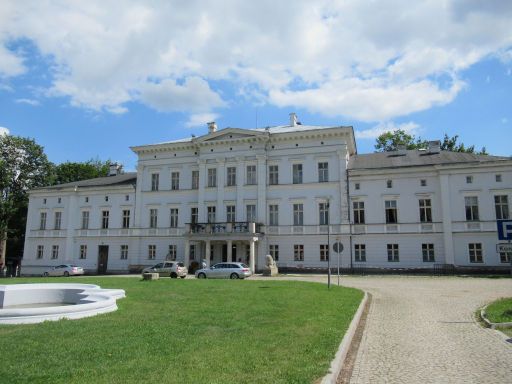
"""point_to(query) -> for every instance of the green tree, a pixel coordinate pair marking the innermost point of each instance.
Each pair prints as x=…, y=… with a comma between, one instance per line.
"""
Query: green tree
x=450, y=144
x=24, y=166
x=391, y=141
x=74, y=171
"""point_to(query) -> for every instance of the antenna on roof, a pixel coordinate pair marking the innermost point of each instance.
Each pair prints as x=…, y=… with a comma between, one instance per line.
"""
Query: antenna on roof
x=256, y=117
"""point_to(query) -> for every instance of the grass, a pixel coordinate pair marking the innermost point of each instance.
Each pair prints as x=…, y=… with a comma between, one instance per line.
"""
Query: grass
x=500, y=311
x=187, y=331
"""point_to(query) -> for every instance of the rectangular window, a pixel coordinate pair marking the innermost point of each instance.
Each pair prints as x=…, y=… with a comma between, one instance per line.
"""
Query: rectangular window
x=358, y=208
x=151, y=252
x=40, y=251
x=501, y=206
x=251, y=175
x=153, y=218
x=297, y=173
x=389, y=183
x=427, y=251
x=471, y=203
x=192, y=252
x=104, y=219
x=126, y=197
x=393, y=253
x=323, y=211
x=273, y=214
x=358, y=186
x=58, y=220
x=42, y=221
x=173, y=217
x=423, y=182
x=193, y=215
x=83, y=252
x=231, y=176
x=155, y=178
x=505, y=257
x=171, y=255
x=425, y=210
x=126, y=218
x=273, y=249
x=195, y=180
x=212, y=177
x=124, y=252
x=298, y=252
x=298, y=214
x=211, y=214
x=475, y=252
x=324, y=252
x=230, y=213
x=498, y=178
x=323, y=172
x=360, y=252
x=469, y=179
x=273, y=174
x=85, y=220
x=250, y=210
x=86, y=199
x=175, y=181
x=55, y=251
x=391, y=212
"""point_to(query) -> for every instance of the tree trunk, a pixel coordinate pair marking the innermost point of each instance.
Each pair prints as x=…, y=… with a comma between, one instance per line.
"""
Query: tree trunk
x=3, y=245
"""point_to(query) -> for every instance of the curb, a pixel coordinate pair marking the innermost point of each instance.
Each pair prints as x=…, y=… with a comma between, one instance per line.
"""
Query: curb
x=493, y=325
x=339, y=359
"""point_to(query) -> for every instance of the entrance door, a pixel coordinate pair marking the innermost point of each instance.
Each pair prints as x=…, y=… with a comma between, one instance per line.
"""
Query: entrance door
x=224, y=252
x=102, y=259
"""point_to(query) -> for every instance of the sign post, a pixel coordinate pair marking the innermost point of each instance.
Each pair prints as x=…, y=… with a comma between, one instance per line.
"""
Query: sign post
x=505, y=233
x=338, y=248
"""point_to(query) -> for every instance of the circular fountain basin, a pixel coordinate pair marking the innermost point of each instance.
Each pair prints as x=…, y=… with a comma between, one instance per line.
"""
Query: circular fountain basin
x=35, y=303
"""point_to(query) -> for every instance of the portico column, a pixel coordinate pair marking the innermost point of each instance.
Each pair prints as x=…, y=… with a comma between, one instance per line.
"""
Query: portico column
x=186, y=258
x=207, y=253
x=252, y=261
x=230, y=251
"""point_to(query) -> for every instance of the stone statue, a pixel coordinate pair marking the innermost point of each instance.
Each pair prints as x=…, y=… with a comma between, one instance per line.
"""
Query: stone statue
x=270, y=267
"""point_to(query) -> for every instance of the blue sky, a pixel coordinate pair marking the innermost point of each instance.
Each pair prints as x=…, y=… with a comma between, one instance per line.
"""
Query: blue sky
x=89, y=79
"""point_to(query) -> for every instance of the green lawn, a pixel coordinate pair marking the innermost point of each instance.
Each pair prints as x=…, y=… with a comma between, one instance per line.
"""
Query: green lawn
x=186, y=331
x=500, y=311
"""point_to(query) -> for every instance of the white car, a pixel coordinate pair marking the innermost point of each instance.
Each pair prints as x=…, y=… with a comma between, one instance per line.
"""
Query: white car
x=225, y=271
x=64, y=270
x=172, y=269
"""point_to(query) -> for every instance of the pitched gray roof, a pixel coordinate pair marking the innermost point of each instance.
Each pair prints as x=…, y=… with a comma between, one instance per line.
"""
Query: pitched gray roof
x=123, y=179
x=415, y=158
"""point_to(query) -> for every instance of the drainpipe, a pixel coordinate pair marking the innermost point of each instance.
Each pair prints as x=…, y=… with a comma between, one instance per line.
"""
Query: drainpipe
x=349, y=218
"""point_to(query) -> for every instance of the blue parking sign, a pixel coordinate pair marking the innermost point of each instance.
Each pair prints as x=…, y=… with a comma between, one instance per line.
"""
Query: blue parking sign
x=504, y=229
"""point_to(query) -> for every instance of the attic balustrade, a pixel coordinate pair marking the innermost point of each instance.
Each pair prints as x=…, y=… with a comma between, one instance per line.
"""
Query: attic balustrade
x=224, y=227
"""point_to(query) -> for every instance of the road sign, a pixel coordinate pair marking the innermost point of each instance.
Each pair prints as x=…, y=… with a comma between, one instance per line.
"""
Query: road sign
x=337, y=247
x=504, y=247
x=504, y=229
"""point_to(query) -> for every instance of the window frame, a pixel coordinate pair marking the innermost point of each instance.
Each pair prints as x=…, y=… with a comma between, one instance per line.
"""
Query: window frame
x=425, y=206
x=231, y=176
x=174, y=214
x=323, y=172
x=359, y=212
x=273, y=215
x=212, y=178
x=153, y=218
x=471, y=208
x=251, y=175
x=298, y=214
x=428, y=252
x=297, y=173
x=298, y=252
x=393, y=253
x=273, y=174
x=391, y=211
x=175, y=181
x=360, y=253
x=475, y=253
x=155, y=181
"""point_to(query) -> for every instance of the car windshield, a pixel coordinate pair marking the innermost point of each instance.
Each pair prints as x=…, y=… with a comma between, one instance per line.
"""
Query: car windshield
x=244, y=265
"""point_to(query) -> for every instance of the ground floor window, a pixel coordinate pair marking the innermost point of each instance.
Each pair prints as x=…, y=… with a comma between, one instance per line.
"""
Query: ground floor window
x=273, y=249
x=505, y=257
x=192, y=252
x=393, y=255
x=124, y=252
x=83, y=251
x=55, y=252
x=324, y=252
x=475, y=252
x=151, y=252
x=360, y=252
x=40, y=251
x=298, y=252
x=172, y=252
x=428, y=252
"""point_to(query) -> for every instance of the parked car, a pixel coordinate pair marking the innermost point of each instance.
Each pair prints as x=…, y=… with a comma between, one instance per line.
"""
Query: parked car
x=64, y=270
x=225, y=271
x=168, y=268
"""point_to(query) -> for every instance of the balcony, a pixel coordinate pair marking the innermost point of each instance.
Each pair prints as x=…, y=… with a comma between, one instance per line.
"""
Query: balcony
x=238, y=227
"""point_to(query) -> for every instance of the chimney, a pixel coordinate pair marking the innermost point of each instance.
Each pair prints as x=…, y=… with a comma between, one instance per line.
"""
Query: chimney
x=115, y=169
x=212, y=127
x=434, y=146
x=293, y=119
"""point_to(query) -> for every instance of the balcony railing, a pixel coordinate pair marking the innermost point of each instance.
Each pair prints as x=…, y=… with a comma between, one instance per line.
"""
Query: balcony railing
x=224, y=227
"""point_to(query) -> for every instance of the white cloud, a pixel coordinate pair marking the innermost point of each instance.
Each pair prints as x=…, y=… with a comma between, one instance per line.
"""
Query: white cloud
x=4, y=131
x=32, y=102
x=200, y=119
x=365, y=60
x=504, y=120
x=374, y=132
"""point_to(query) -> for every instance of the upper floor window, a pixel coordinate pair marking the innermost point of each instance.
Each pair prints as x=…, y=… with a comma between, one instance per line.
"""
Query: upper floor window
x=173, y=217
x=358, y=207
x=427, y=251
x=211, y=214
x=106, y=198
x=194, y=215
x=153, y=218
x=423, y=182
x=58, y=220
x=298, y=214
x=195, y=180
x=86, y=199
x=155, y=179
x=175, y=181
x=393, y=254
x=297, y=173
x=85, y=220
x=501, y=206
x=250, y=213
x=475, y=252
x=59, y=200
x=231, y=176
x=323, y=172
x=273, y=214
x=425, y=210
x=391, y=212
x=273, y=174
x=357, y=186
x=389, y=183
x=251, y=174
x=323, y=211
x=126, y=218
x=360, y=252
x=471, y=203
x=44, y=201
x=212, y=177
x=42, y=221
x=230, y=213
x=104, y=219
x=126, y=197
x=469, y=179
x=498, y=178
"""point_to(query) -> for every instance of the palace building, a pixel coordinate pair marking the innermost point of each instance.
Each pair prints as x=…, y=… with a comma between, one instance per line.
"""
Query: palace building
x=289, y=191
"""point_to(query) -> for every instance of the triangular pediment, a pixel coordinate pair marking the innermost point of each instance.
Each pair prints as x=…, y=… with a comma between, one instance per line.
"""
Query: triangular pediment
x=229, y=134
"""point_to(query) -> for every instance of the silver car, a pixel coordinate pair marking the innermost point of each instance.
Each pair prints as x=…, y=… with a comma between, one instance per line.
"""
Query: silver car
x=64, y=270
x=169, y=268
x=225, y=271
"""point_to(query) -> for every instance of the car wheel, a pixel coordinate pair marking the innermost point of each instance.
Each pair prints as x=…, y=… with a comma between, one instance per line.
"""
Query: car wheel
x=45, y=274
x=173, y=275
x=182, y=277
x=201, y=276
x=66, y=273
x=234, y=276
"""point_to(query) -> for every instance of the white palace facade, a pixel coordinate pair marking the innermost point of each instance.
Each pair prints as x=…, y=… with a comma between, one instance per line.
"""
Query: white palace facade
x=290, y=191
